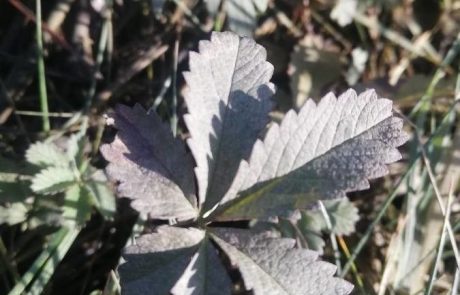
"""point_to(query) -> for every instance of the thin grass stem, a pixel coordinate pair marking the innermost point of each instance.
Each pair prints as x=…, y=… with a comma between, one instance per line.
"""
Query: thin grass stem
x=41, y=70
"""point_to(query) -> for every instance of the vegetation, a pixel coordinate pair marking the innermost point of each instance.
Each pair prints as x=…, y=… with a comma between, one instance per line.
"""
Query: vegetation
x=120, y=174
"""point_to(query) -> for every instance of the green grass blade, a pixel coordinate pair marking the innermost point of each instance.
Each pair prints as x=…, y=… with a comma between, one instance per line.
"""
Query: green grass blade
x=41, y=70
x=51, y=264
x=57, y=247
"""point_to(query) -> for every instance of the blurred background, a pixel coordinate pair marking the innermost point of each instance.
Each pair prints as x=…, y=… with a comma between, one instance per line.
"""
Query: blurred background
x=66, y=63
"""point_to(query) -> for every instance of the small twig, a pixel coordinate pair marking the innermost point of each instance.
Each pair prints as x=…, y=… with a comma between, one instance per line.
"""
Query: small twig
x=102, y=46
x=329, y=28
x=397, y=39
x=285, y=21
x=141, y=63
x=30, y=16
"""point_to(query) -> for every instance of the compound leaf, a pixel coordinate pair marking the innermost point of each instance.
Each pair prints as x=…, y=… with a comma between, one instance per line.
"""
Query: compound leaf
x=101, y=194
x=322, y=152
x=151, y=165
x=158, y=260
x=204, y=275
x=77, y=205
x=228, y=100
x=53, y=180
x=45, y=154
x=275, y=266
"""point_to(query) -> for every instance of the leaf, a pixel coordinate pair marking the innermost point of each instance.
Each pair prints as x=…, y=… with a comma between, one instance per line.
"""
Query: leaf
x=13, y=214
x=228, y=100
x=274, y=266
x=46, y=154
x=310, y=229
x=343, y=215
x=241, y=15
x=158, y=260
x=204, y=275
x=53, y=180
x=77, y=205
x=151, y=165
x=102, y=196
x=322, y=152
x=76, y=146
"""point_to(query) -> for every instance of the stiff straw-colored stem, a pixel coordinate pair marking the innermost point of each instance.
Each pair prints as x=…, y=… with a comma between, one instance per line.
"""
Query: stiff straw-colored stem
x=41, y=70
x=442, y=242
x=346, y=251
x=332, y=236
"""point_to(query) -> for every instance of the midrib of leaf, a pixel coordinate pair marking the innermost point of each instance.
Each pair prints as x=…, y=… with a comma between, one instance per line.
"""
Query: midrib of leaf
x=234, y=205
x=219, y=241
x=211, y=182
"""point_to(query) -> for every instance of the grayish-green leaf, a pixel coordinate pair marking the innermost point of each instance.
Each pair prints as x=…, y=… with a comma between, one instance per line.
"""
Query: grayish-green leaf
x=151, y=165
x=103, y=197
x=53, y=180
x=77, y=205
x=275, y=266
x=322, y=152
x=76, y=146
x=342, y=213
x=241, y=16
x=46, y=154
x=310, y=229
x=204, y=275
x=13, y=213
x=228, y=100
x=158, y=260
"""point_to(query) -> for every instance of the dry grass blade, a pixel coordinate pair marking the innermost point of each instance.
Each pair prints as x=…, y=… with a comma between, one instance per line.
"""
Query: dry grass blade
x=141, y=62
x=399, y=39
x=442, y=239
x=437, y=192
